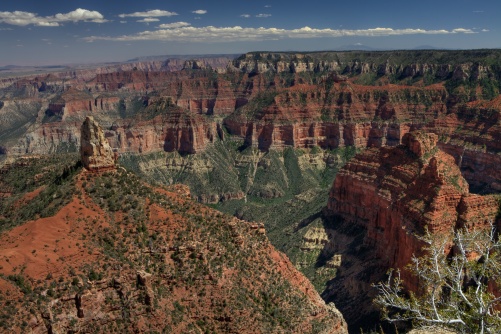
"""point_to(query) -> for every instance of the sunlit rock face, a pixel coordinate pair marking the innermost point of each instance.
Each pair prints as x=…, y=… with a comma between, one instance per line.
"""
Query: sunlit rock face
x=390, y=196
x=95, y=151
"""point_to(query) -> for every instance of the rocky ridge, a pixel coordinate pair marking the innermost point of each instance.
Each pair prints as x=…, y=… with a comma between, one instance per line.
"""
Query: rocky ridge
x=121, y=255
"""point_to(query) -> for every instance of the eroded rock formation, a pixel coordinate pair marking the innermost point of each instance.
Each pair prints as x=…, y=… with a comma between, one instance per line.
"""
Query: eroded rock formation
x=272, y=101
x=387, y=197
x=96, y=153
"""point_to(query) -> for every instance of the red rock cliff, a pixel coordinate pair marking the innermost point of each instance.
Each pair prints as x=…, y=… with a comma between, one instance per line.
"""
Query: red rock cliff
x=391, y=195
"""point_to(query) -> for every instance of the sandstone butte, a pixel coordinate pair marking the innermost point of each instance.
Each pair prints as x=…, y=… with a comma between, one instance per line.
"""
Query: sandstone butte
x=119, y=255
x=391, y=195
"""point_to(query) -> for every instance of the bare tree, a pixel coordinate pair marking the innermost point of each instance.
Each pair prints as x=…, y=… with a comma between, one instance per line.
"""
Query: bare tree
x=458, y=289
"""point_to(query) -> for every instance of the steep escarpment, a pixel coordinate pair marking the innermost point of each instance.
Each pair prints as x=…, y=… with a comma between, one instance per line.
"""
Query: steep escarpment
x=382, y=201
x=121, y=255
x=401, y=64
x=163, y=127
x=337, y=115
x=73, y=102
x=299, y=99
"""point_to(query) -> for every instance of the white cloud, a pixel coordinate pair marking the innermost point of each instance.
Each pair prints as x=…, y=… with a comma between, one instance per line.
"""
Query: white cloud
x=462, y=30
x=232, y=34
x=263, y=15
x=123, y=21
x=148, y=20
x=485, y=30
x=80, y=14
x=199, y=11
x=6, y=29
x=150, y=13
x=245, y=15
x=267, y=6
x=174, y=25
x=20, y=18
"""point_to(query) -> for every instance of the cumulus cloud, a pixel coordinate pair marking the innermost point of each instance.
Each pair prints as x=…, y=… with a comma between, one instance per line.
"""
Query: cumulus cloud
x=485, y=30
x=186, y=33
x=245, y=15
x=174, y=25
x=150, y=13
x=80, y=14
x=263, y=15
x=199, y=11
x=148, y=20
x=20, y=18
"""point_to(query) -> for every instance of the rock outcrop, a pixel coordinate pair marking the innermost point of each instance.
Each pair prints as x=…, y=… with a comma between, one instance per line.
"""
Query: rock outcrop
x=96, y=153
x=390, y=196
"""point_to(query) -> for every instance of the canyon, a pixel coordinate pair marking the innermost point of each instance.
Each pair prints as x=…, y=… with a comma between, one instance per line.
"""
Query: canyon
x=418, y=134
x=271, y=101
x=116, y=254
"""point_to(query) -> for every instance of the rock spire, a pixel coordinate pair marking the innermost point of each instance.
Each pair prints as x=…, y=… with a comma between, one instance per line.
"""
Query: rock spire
x=95, y=151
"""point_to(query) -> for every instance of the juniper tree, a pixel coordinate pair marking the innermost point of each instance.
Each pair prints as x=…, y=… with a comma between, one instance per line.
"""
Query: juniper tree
x=459, y=287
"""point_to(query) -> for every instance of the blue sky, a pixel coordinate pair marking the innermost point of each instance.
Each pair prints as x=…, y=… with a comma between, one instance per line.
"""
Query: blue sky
x=76, y=31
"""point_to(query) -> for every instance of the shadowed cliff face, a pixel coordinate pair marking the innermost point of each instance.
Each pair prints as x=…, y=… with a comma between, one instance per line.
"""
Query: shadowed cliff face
x=379, y=205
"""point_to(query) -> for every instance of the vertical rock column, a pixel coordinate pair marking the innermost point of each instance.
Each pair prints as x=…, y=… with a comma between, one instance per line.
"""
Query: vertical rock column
x=95, y=151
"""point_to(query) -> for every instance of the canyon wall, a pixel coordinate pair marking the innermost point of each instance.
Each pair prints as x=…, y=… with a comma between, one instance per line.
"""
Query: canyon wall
x=392, y=196
x=271, y=101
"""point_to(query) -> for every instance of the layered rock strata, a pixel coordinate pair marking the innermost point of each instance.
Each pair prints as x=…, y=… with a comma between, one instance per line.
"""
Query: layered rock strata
x=395, y=192
x=391, y=195
x=272, y=101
